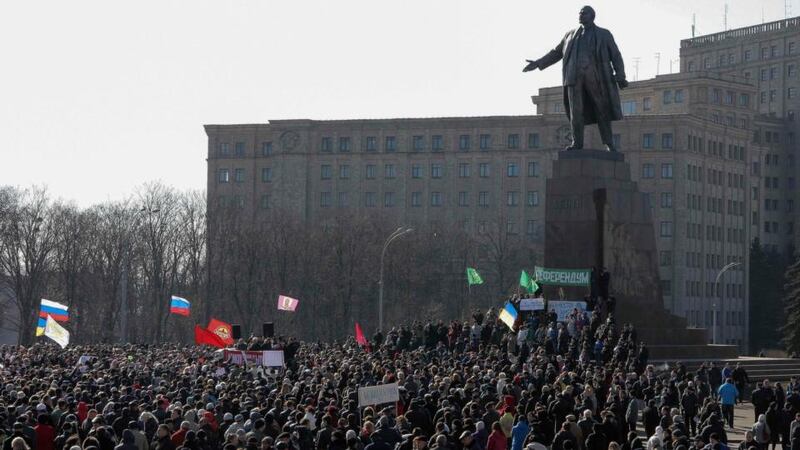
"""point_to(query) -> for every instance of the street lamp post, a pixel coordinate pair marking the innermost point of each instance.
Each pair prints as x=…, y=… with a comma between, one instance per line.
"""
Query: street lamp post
x=714, y=311
x=396, y=234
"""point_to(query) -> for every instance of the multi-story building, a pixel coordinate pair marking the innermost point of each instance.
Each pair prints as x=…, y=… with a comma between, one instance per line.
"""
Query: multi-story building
x=768, y=56
x=712, y=147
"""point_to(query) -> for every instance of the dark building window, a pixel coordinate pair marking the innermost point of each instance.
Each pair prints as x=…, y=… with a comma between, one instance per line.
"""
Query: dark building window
x=391, y=144
x=533, y=140
x=647, y=140
x=371, y=144
x=666, y=140
x=485, y=141
x=344, y=144
x=463, y=142
x=326, y=144
x=437, y=143
x=419, y=143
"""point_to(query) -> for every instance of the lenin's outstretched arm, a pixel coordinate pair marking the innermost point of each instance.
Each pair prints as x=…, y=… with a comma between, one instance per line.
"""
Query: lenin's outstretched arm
x=552, y=57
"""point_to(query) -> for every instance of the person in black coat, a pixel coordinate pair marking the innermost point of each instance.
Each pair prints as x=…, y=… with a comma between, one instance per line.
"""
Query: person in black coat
x=689, y=404
x=775, y=424
x=562, y=437
x=596, y=440
x=741, y=380
x=650, y=418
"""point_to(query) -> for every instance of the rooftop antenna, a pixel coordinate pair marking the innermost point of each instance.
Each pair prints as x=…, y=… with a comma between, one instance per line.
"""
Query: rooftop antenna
x=636, y=68
x=787, y=9
x=694, y=23
x=658, y=63
x=725, y=19
x=676, y=61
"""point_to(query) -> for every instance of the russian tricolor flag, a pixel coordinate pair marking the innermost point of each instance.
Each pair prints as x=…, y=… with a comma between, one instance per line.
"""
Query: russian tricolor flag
x=179, y=305
x=53, y=309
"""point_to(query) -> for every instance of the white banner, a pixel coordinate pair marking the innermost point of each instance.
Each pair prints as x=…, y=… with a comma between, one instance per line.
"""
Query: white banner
x=376, y=395
x=267, y=358
x=563, y=308
x=531, y=304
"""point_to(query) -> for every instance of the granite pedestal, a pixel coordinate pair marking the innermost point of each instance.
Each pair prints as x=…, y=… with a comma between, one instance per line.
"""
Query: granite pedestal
x=596, y=216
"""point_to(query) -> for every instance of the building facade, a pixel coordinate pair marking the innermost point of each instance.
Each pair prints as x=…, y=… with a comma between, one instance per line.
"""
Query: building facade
x=712, y=147
x=767, y=56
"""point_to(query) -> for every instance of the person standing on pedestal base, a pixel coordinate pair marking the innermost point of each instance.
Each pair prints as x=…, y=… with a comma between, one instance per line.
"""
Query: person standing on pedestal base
x=592, y=72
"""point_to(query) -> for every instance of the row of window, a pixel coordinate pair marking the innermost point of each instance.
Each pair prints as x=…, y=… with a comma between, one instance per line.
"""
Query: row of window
x=434, y=143
x=436, y=170
x=630, y=107
x=715, y=148
x=772, y=95
x=437, y=199
x=694, y=289
x=774, y=205
x=774, y=228
x=714, y=205
x=239, y=149
x=771, y=73
x=694, y=259
x=772, y=137
x=747, y=55
x=714, y=233
x=648, y=170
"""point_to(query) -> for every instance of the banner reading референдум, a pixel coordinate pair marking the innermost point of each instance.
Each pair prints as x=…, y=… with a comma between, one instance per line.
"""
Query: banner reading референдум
x=562, y=277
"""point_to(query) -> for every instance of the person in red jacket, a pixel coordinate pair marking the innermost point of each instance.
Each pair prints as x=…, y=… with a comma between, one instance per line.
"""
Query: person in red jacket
x=497, y=440
x=45, y=433
x=179, y=436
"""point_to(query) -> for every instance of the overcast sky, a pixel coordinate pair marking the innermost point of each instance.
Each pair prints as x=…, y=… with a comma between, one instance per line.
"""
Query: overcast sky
x=98, y=97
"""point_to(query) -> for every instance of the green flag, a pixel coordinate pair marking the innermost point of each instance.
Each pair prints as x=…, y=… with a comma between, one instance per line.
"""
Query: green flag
x=473, y=277
x=528, y=283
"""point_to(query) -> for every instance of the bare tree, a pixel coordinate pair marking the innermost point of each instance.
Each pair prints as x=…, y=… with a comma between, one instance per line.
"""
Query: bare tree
x=27, y=242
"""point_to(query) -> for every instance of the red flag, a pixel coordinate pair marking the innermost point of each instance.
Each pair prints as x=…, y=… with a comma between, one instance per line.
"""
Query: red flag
x=221, y=329
x=203, y=336
x=360, y=339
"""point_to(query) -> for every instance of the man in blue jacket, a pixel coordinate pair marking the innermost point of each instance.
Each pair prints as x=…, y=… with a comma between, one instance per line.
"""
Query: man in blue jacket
x=727, y=397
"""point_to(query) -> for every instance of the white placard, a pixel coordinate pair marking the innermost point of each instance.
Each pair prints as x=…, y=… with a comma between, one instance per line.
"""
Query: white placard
x=273, y=358
x=376, y=395
x=531, y=304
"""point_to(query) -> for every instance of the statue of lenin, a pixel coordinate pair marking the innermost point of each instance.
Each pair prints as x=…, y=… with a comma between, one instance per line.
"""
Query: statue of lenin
x=592, y=71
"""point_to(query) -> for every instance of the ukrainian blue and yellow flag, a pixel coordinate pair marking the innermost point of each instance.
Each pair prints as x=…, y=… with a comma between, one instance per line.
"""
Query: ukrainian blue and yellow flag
x=508, y=315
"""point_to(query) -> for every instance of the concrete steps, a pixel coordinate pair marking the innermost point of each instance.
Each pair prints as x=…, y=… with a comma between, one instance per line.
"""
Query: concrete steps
x=692, y=351
x=775, y=369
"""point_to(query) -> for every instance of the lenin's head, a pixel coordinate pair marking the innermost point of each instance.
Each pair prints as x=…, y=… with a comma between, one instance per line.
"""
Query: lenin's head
x=586, y=16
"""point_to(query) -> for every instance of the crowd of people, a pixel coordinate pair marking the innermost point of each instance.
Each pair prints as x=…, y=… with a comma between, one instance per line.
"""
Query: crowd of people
x=582, y=383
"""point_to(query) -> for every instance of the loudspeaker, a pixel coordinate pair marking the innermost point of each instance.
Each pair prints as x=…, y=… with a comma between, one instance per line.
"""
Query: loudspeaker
x=268, y=329
x=237, y=331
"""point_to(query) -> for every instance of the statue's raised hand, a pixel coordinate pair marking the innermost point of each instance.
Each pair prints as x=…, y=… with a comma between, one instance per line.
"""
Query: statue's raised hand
x=531, y=66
